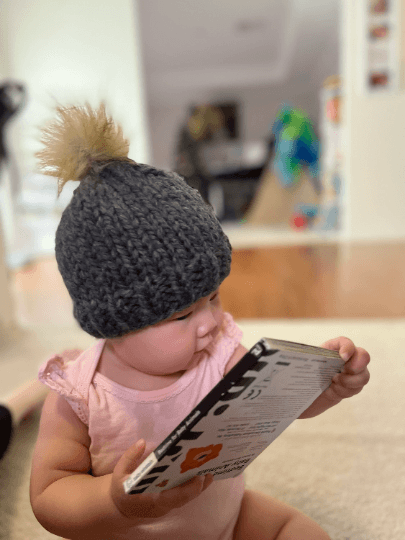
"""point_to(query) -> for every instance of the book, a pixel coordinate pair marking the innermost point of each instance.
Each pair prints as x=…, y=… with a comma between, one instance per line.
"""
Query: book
x=271, y=386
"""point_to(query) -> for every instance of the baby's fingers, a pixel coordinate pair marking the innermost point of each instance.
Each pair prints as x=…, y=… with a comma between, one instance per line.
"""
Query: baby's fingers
x=129, y=505
x=130, y=460
x=186, y=492
x=358, y=363
x=352, y=381
x=343, y=345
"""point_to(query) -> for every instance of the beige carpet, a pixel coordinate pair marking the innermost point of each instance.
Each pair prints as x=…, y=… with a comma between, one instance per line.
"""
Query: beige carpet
x=345, y=468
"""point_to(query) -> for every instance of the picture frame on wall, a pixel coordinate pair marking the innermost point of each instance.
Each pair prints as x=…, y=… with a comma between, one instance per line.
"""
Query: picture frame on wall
x=380, y=46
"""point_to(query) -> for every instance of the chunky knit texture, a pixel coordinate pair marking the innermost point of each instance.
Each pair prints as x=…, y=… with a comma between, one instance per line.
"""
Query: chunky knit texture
x=135, y=245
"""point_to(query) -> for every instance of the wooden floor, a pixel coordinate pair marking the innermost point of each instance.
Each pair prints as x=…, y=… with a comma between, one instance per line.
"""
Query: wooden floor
x=331, y=280
x=319, y=281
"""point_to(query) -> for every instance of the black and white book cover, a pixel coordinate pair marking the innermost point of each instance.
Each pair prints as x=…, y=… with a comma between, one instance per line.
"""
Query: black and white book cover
x=271, y=386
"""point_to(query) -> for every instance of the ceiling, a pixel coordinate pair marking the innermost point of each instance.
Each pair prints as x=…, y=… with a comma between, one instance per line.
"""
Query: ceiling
x=221, y=44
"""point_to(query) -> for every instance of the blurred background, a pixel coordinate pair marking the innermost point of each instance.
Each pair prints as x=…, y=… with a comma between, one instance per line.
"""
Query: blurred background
x=285, y=115
x=288, y=116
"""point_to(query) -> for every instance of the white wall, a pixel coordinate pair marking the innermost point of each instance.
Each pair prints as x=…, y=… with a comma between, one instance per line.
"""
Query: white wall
x=374, y=127
x=6, y=301
x=71, y=52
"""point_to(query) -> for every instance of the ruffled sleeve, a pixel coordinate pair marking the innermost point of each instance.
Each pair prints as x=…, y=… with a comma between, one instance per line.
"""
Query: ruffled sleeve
x=61, y=373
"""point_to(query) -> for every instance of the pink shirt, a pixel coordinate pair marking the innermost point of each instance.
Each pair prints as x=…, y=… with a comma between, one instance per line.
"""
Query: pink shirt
x=118, y=416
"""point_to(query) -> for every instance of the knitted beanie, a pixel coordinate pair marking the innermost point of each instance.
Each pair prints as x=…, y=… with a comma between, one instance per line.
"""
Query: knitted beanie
x=135, y=244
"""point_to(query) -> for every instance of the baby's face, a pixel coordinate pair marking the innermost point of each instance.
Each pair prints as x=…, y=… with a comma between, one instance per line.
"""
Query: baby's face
x=173, y=344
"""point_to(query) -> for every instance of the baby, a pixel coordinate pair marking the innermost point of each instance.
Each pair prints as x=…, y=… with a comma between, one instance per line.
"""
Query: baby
x=143, y=256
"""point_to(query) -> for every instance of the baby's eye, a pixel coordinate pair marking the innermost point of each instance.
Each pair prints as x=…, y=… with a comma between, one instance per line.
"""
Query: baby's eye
x=214, y=297
x=183, y=317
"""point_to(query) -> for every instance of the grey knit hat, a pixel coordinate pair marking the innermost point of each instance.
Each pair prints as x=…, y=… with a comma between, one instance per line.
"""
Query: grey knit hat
x=136, y=244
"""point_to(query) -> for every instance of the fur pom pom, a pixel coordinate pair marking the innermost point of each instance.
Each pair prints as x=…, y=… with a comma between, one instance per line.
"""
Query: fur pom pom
x=79, y=137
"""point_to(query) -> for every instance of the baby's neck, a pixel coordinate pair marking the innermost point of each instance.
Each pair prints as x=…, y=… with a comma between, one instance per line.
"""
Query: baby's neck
x=111, y=367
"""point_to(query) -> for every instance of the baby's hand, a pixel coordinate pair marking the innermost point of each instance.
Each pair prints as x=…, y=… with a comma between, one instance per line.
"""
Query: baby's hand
x=150, y=505
x=350, y=382
x=355, y=374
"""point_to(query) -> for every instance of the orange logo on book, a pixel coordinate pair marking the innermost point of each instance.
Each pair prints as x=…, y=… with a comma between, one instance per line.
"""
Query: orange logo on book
x=163, y=484
x=196, y=457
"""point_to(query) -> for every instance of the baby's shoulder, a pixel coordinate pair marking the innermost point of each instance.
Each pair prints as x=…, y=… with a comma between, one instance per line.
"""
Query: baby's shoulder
x=69, y=374
x=59, y=420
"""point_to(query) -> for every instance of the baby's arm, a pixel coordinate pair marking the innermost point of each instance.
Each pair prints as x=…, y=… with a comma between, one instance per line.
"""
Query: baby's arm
x=65, y=499
x=69, y=502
